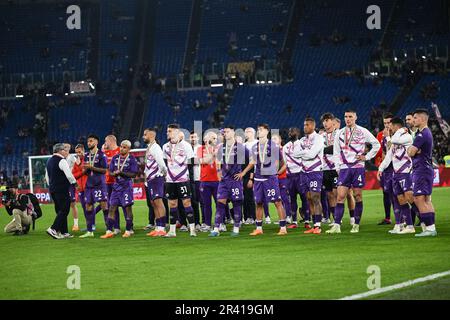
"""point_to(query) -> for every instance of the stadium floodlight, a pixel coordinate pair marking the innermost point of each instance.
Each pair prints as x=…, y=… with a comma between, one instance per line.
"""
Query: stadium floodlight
x=423, y=57
x=395, y=59
x=48, y=95
x=91, y=85
x=262, y=82
x=215, y=85
x=270, y=81
x=241, y=83
x=19, y=95
x=72, y=92
x=257, y=81
x=66, y=94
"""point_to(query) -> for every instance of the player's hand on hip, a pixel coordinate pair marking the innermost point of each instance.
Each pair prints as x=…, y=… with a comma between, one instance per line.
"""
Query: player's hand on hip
x=361, y=157
x=238, y=176
x=379, y=173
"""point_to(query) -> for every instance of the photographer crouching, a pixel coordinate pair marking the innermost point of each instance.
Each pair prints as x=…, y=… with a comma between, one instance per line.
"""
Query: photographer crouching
x=24, y=208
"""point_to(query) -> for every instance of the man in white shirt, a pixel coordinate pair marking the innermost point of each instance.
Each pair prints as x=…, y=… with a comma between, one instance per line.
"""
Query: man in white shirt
x=348, y=151
x=179, y=154
x=401, y=175
x=71, y=159
x=155, y=171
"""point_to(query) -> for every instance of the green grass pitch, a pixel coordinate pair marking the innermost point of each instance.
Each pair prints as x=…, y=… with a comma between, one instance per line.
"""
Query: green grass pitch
x=296, y=266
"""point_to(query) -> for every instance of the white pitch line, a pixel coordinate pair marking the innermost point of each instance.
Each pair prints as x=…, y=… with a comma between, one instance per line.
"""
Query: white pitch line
x=397, y=286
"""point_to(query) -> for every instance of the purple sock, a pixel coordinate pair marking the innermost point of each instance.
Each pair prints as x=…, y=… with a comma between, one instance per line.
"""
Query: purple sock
x=173, y=215
x=414, y=213
x=89, y=219
x=397, y=211
x=358, y=212
x=105, y=216
x=237, y=211
x=332, y=211
x=266, y=210
x=117, y=218
x=338, y=213
x=259, y=223
x=406, y=212
x=387, y=205
x=317, y=218
x=282, y=223
x=129, y=225
x=98, y=209
x=189, y=214
x=110, y=224
x=427, y=218
x=220, y=213
x=352, y=213
x=163, y=221
x=325, y=207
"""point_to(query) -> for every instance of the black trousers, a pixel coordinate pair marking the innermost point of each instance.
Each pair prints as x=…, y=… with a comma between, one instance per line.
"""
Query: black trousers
x=62, y=209
x=249, y=207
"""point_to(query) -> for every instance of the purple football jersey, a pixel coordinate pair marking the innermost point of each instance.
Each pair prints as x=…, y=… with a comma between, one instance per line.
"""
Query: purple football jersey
x=424, y=142
x=236, y=159
x=271, y=157
x=124, y=164
x=96, y=179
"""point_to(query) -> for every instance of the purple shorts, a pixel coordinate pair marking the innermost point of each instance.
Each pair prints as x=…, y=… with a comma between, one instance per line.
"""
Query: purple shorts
x=352, y=178
x=156, y=188
x=121, y=198
x=386, y=181
x=312, y=181
x=93, y=195
x=231, y=190
x=401, y=183
x=72, y=193
x=267, y=190
x=294, y=184
x=422, y=183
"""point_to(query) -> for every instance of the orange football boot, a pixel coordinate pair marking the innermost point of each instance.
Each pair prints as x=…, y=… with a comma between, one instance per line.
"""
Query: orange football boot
x=107, y=235
x=256, y=232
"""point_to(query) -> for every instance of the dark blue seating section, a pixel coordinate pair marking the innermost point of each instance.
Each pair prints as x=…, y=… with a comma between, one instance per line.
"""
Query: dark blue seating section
x=172, y=25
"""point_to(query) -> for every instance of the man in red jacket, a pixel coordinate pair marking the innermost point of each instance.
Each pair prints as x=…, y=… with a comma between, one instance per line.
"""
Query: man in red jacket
x=77, y=172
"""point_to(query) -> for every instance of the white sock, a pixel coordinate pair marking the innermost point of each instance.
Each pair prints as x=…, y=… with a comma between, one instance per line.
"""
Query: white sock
x=283, y=228
x=317, y=224
x=259, y=228
x=192, y=227
x=75, y=222
x=431, y=228
x=173, y=228
x=216, y=229
x=236, y=229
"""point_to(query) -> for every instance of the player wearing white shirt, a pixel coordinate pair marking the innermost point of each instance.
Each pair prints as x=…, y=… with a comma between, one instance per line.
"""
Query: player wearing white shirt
x=294, y=171
x=71, y=159
x=397, y=155
x=349, y=148
x=178, y=153
x=197, y=203
x=155, y=171
x=330, y=175
x=311, y=154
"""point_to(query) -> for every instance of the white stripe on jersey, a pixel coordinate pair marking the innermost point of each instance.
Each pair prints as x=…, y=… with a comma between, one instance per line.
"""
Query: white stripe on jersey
x=293, y=165
x=346, y=152
x=328, y=162
x=154, y=162
x=312, y=152
x=398, y=154
x=177, y=167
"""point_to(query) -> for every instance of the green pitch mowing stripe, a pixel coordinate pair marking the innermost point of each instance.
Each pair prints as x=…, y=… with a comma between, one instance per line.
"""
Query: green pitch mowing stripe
x=297, y=266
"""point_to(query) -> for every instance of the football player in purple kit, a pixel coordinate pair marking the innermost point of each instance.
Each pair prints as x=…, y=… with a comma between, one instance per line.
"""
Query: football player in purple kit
x=348, y=151
x=155, y=171
x=423, y=172
x=397, y=157
x=230, y=158
x=124, y=168
x=311, y=154
x=265, y=157
x=179, y=155
x=95, y=166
